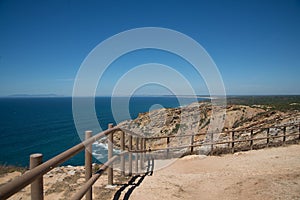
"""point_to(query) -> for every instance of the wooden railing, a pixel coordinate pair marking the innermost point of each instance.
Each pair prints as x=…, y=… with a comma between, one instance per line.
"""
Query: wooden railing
x=37, y=169
x=233, y=139
x=34, y=176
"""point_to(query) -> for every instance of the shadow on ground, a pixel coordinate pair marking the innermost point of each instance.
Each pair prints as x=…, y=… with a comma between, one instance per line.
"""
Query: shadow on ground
x=134, y=182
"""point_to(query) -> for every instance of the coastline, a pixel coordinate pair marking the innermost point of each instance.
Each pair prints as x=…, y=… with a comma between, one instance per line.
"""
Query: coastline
x=41, y=125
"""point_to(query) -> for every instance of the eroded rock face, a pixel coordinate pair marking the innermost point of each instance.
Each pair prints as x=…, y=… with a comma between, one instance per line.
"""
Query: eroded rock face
x=196, y=118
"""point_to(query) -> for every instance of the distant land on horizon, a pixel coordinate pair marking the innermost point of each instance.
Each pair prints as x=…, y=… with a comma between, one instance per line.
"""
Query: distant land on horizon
x=151, y=95
x=34, y=95
x=206, y=96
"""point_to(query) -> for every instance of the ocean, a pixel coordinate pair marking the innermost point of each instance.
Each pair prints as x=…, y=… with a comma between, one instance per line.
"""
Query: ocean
x=45, y=125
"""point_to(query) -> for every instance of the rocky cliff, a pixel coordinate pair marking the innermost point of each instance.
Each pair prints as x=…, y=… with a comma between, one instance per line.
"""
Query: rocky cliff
x=202, y=117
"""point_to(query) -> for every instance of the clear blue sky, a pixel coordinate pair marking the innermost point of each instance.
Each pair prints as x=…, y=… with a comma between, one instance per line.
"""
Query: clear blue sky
x=255, y=44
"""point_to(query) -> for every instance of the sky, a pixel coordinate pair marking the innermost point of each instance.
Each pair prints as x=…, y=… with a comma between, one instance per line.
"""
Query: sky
x=254, y=44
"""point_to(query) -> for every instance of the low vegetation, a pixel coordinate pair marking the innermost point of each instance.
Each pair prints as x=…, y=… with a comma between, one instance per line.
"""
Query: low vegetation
x=281, y=103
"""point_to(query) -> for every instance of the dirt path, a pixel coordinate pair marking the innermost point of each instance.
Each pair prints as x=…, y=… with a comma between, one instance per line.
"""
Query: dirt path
x=272, y=173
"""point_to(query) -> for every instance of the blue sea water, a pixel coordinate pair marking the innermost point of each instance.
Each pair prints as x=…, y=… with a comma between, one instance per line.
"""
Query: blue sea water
x=45, y=125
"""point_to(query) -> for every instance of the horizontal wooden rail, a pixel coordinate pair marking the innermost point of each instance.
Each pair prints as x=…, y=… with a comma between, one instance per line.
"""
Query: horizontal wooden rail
x=228, y=141
x=19, y=183
x=130, y=132
x=174, y=136
x=95, y=177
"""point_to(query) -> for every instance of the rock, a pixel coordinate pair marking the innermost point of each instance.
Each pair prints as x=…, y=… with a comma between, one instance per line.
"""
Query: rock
x=238, y=153
x=194, y=157
x=110, y=186
x=61, y=179
x=48, y=175
x=72, y=172
x=204, y=150
x=80, y=180
x=196, y=118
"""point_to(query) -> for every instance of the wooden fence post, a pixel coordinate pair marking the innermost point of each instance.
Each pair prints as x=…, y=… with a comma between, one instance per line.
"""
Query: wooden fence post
x=268, y=135
x=251, y=141
x=144, y=150
x=88, y=164
x=211, y=143
x=110, y=155
x=232, y=142
x=122, y=147
x=37, y=192
x=168, y=145
x=130, y=155
x=141, y=154
x=137, y=155
x=192, y=143
x=284, y=133
x=299, y=131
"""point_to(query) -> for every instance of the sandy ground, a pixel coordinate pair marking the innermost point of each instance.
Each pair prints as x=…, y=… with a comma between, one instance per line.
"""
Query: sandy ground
x=260, y=174
x=272, y=173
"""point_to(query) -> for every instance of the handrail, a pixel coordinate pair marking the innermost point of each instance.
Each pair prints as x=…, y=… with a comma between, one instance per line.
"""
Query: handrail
x=96, y=176
x=131, y=133
x=213, y=143
x=203, y=143
x=93, y=179
x=19, y=183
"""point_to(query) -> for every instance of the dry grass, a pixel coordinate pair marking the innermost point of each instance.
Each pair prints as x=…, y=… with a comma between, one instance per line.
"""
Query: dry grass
x=4, y=169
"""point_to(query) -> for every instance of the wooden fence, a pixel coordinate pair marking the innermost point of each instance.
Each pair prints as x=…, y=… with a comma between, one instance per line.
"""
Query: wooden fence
x=34, y=176
x=230, y=140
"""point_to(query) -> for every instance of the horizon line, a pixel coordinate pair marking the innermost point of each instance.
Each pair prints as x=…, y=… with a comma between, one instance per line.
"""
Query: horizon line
x=143, y=95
